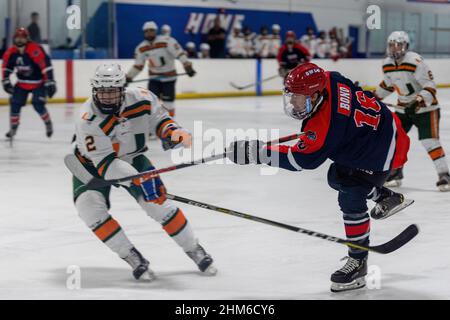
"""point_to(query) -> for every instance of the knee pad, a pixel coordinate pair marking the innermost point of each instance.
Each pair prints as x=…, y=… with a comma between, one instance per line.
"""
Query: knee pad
x=159, y=212
x=92, y=208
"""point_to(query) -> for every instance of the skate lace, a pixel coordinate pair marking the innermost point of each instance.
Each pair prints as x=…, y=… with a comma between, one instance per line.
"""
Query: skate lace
x=351, y=265
x=197, y=254
x=133, y=259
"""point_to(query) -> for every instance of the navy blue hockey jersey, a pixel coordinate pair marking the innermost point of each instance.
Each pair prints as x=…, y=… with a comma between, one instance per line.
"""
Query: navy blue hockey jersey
x=351, y=128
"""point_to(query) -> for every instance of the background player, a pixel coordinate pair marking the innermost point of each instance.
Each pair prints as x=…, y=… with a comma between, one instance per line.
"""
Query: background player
x=34, y=73
x=291, y=54
x=160, y=52
x=363, y=138
x=110, y=142
x=407, y=73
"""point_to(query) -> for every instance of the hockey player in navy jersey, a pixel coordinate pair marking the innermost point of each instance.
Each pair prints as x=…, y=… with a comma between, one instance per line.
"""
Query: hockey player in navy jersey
x=359, y=134
x=34, y=73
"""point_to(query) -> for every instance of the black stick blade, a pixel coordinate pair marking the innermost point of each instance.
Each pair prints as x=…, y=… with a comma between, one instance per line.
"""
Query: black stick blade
x=399, y=241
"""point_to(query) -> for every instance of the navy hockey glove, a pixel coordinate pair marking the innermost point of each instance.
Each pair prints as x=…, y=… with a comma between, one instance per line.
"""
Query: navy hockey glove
x=7, y=86
x=50, y=88
x=189, y=70
x=151, y=188
x=247, y=152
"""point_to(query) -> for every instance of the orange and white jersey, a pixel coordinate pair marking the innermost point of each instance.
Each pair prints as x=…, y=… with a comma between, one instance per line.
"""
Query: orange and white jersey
x=160, y=55
x=409, y=78
x=262, y=45
x=111, y=142
x=275, y=45
x=236, y=45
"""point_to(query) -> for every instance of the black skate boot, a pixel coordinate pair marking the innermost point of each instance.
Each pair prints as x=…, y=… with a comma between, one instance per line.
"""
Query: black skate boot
x=395, y=178
x=351, y=276
x=140, y=265
x=444, y=182
x=388, y=203
x=202, y=260
x=11, y=133
x=49, y=129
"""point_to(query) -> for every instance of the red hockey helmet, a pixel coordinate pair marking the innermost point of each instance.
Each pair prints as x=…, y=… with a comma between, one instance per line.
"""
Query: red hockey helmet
x=21, y=33
x=290, y=34
x=300, y=85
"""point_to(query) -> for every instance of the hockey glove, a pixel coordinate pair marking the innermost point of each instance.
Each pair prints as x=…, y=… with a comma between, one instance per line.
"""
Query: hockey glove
x=415, y=106
x=247, y=152
x=189, y=70
x=50, y=88
x=283, y=72
x=176, y=139
x=7, y=86
x=151, y=188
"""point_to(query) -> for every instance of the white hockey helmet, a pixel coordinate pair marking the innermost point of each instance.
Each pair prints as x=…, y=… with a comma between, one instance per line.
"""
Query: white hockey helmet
x=108, y=87
x=190, y=45
x=166, y=30
x=150, y=25
x=276, y=27
x=205, y=47
x=397, y=44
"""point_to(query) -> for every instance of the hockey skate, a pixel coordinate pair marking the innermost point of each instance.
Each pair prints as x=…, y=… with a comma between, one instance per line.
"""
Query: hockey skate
x=11, y=133
x=140, y=265
x=395, y=178
x=389, y=203
x=351, y=276
x=202, y=260
x=443, y=183
x=49, y=129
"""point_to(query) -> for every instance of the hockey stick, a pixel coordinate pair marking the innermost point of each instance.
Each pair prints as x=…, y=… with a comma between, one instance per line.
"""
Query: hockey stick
x=252, y=84
x=400, y=240
x=158, y=77
x=77, y=169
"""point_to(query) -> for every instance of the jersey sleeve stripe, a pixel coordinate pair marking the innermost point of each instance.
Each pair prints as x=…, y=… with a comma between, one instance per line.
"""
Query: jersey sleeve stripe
x=108, y=124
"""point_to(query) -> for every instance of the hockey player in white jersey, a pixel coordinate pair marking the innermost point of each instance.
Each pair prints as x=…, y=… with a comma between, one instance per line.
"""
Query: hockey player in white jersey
x=406, y=73
x=110, y=143
x=275, y=41
x=160, y=51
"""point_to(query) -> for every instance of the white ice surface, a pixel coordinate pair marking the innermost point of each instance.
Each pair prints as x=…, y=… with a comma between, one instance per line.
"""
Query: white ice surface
x=41, y=234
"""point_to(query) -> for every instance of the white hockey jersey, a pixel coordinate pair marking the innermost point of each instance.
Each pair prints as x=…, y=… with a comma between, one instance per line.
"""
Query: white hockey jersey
x=275, y=45
x=105, y=139
x=236, y=45
x=262, y=45
x=160, y=54
x=409, y=78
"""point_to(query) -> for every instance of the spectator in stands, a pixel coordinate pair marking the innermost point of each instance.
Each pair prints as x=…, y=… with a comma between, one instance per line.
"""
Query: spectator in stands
x=166, y=30
x=249, y=45
x=191, y=50
x=309, y=40
x=33, y=28
x=204, y=51
x=216, y=40
x=236, y=43
x=322, y=47
x=275, y=41
x=334, y=46
x=262, y=43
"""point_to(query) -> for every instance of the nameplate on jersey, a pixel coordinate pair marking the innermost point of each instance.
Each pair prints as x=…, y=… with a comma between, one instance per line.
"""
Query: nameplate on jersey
x=344, y=99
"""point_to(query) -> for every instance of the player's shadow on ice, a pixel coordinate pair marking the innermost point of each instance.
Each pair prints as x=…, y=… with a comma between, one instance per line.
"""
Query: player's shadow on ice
x=103, y=278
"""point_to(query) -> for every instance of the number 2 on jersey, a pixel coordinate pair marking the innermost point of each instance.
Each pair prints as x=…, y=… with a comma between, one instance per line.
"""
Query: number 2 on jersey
x=361, y=118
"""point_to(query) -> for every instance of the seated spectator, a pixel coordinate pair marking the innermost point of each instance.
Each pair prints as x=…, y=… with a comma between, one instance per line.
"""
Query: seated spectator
x=308, y=40
x=166, y=30
x=322, y=46
x=249, y=44
x=216, y=40
x=191, y=50
x=236, y=43
x=275, y=41
x=334, y=47
x=204, y=51
x=262, y=43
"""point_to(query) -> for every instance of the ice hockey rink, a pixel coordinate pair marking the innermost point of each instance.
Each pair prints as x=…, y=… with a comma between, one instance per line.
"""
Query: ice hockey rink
x=41, y=235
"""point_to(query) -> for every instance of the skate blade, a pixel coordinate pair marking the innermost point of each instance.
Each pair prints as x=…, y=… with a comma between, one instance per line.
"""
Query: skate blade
x=444, y=188
x=210, y=271
x=355, y=284
x=396, y=209
x=393, y=184
x=147, y=276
